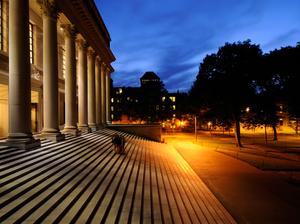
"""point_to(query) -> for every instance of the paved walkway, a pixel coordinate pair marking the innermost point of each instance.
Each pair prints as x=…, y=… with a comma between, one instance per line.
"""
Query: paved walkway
x=81, y=180
x=251, y=195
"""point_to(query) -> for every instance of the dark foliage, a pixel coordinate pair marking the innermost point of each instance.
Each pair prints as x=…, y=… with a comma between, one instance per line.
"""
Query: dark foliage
x=226, y=83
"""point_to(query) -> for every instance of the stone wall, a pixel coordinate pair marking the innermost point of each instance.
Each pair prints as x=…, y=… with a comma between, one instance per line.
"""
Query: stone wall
x=152, y=132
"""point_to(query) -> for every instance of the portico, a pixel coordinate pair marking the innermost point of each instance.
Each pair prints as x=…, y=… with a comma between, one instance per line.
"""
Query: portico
x=72, y=59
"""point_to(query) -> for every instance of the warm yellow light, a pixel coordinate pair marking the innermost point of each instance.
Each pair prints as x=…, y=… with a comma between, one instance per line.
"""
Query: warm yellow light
x=247, y=109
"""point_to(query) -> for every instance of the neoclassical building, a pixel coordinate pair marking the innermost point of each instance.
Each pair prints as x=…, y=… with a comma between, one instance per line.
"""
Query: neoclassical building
x=55, y=67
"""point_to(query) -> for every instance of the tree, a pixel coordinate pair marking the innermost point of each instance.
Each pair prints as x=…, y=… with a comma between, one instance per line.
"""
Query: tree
x=291, y=85
x=226, y=82
x=284, y=72
x=269, y=87
x=263, y=112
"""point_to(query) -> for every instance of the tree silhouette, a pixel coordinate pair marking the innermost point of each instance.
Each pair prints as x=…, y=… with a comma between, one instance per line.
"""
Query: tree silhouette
x=285, y=75
x=226, y=82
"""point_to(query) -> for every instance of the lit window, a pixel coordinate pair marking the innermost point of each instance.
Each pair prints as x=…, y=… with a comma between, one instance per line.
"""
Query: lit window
x=1, y=25
x=172, y=98
x=120, y=90
x=174, y=107
x=128, y=98
x=112, y=108
x=112, y=100
x=31, y=47
x=163, y=99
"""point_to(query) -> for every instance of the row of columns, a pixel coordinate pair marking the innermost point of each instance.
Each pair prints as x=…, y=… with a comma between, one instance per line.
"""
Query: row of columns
x=92, y=89
x=93, y=80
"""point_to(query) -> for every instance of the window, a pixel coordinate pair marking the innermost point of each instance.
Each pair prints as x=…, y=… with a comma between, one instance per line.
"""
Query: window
x=173, y=98
x=31, y=43
x=1, y=25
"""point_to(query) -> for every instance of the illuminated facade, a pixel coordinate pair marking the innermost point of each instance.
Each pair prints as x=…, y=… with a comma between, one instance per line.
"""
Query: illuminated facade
x=54, y=70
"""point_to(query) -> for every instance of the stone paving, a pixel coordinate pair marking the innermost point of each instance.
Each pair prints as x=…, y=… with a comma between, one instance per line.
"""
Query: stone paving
x=81, y=180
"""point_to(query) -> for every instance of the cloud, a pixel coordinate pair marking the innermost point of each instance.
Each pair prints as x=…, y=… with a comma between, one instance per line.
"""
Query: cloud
x=171, y=37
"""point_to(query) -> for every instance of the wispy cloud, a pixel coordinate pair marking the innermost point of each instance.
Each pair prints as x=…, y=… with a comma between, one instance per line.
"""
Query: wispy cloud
x=171, y=37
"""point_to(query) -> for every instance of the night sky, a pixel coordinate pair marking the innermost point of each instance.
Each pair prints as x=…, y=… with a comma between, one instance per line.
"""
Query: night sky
x=171, y=37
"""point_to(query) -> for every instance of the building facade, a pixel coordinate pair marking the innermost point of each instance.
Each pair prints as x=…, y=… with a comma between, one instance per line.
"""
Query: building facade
x=55, y=67
x=149, y=103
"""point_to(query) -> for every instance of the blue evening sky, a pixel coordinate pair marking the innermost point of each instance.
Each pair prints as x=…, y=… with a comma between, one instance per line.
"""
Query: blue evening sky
x=171, y=37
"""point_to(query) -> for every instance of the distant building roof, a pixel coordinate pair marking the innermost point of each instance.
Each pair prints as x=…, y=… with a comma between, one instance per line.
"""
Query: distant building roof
x=150, y=76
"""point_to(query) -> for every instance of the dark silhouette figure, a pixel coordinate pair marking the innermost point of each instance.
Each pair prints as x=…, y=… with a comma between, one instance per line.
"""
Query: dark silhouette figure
x=118, y=142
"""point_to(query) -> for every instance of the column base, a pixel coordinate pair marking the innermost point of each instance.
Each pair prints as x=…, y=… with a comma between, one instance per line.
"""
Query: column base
x=93, y=127
x=26, y=144
x=53, y=136
x=84, y=128
x=104, y=125
x=72, y=131
x=100, y=126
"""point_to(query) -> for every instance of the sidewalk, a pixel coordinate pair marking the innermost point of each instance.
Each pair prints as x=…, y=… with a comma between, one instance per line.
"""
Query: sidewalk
x=250, y=194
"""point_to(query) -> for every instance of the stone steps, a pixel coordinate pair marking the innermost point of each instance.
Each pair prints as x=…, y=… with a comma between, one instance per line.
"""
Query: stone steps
x=81, y=180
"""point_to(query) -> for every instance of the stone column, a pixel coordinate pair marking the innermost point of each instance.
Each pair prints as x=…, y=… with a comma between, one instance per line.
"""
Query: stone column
x=82, y=86
x=70, y=81
x=98, y=92
x=91, y=90
x=20, y=135
x=50, y=72
x=108, y=98
x=103, y=94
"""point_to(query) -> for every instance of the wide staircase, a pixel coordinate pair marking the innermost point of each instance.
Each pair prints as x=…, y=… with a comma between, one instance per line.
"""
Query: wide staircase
x=82, y=180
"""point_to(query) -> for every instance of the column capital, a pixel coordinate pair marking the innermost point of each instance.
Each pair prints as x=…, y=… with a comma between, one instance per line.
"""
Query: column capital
x=98, y=60
x=49, y=8
x=103, y=65
x=108, y=70
x=91, y=52
x=69, y=30
x=81, y=44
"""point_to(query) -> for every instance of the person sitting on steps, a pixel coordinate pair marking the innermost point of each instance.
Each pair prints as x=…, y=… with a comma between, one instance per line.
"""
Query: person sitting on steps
x=118, y=142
